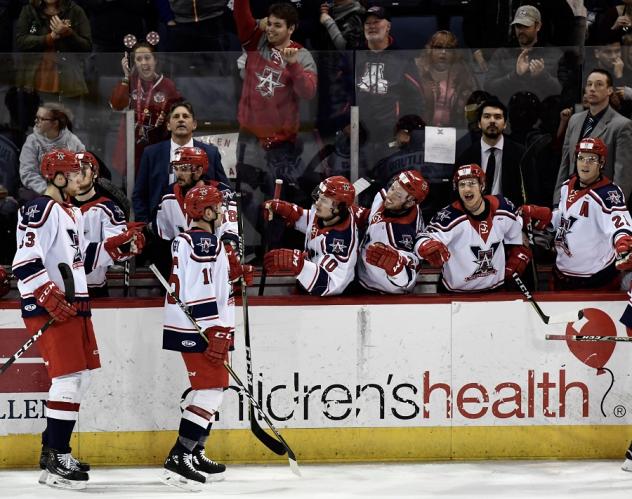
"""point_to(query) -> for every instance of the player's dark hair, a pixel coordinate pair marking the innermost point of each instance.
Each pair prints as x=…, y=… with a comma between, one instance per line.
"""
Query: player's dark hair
x=284, y=11
x=604, y=72
x=185, y=104
x=493, y=102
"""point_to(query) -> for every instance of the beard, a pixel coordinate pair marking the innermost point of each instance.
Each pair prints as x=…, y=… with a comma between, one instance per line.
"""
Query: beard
x=492, y=134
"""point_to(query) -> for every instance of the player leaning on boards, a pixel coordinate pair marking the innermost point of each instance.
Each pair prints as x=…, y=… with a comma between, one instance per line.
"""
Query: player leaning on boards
x=388, y=262
x=591, y=209
x=200, y=279
x=326, y=265
x=477, y=239
x=51, y=231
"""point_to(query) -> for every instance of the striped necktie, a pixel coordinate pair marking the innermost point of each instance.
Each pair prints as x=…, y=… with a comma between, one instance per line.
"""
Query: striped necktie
x=588, y=126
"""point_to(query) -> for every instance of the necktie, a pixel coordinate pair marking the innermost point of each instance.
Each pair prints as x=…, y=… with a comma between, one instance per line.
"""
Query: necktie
x=590, y=123
x=491, y=169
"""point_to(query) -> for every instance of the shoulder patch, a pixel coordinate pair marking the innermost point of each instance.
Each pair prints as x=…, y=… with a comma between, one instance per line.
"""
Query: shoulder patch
x=35, y=213
x=204, y=244
x=446, y=216
x=611, y=196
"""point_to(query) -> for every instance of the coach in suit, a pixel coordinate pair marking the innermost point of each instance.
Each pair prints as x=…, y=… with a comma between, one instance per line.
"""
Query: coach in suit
x=499, y=157
x=599, y=121
x=153, y=175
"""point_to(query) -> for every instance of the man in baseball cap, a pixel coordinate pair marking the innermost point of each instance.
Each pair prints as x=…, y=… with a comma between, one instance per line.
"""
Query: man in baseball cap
x=379, y=12
x=527, y=15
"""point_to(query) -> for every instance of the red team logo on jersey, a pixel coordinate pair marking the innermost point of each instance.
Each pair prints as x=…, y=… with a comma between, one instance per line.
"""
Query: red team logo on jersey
x=484, y=261
x=269, y=81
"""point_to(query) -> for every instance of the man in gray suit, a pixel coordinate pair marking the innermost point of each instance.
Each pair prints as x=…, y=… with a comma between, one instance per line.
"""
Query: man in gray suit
x=604, y=122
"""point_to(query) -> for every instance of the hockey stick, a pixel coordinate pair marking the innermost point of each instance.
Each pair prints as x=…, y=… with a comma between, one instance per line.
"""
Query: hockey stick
x=69, y=285
x=266, y=439
x=562, y=318
x=278, y=184
x=585, y=337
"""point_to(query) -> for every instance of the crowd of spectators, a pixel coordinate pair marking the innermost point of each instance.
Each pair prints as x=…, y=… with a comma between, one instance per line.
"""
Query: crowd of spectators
x=519, y=82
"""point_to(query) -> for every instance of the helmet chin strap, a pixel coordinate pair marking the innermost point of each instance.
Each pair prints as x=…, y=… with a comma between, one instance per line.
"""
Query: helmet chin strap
x=62, y=194
x=88, y=189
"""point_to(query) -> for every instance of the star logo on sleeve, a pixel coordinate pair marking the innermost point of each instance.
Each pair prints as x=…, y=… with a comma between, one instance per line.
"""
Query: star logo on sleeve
x=614, y=197
x=269, y=81
x=32, y=211
x=205, y=244
x=338, y=246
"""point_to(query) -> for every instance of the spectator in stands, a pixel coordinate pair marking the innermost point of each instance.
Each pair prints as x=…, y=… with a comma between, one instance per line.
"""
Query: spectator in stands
x=343, y=23
x=614, y=23
x=154, y=175
x=279, y=73
x=523, y=111
x=473, y=135
x=150, y=95
x=54, y=31
x=8, y=223
x=446, y=82
x=530, y=67
x=600, y=120
x=386, y=83
x=499, y=157
x=609, y=57
x=52, y=130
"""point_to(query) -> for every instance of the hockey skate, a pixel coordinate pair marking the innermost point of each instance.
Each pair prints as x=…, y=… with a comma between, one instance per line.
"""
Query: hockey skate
x=62, y=472
x=214, y=471
x=627, y=464
x=81, y=466
x=180, y=472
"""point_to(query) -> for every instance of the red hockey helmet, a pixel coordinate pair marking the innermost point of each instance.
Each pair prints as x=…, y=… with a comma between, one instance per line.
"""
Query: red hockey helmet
x=414, y=184
x=194, y=156
x=59, y=161
x=4, y=282
x=200, y=198
x=594, y=146
x=87, y=160
x=468, y=171
x=337, y=188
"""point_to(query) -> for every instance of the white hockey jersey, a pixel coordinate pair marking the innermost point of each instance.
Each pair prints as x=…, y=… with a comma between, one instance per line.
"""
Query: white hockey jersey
x=398, y=232
x=587, y=223
x=48, y=234
x=171, y=219
x=332, y=254
x=102, y=218
x=477, y=252
x=199, y=277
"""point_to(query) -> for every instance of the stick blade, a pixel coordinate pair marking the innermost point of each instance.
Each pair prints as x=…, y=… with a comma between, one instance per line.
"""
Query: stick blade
x=294, y=465
x=565, y=317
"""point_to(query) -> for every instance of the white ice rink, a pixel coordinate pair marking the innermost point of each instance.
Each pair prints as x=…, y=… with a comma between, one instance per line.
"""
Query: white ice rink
x=463, y=480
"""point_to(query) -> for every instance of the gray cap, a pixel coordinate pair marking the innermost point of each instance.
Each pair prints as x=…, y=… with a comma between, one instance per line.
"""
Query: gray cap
x=527, y=15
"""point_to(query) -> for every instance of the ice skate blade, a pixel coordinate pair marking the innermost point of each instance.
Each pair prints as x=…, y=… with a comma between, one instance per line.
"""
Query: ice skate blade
x=627, y=465
x=60, y=482
x=42, y=477
x=215, y=477
x=174, y=480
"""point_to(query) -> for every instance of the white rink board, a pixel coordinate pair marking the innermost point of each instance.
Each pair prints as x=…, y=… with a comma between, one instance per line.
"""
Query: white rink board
x=361, y=366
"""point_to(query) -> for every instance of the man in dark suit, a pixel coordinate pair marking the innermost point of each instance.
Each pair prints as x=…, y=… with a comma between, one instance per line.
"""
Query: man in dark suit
x=599, y=121
x=499, y=157
x=155, y=172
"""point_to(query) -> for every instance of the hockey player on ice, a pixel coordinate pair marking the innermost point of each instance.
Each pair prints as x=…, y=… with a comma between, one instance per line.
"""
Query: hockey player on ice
x=326, y=265
x=387, y=262
x=200, y=278
x=477, y=240
x=51, y=231
x=591, y=209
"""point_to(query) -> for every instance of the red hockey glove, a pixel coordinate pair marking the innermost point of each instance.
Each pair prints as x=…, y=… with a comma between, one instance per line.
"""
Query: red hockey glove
x=236, y=270
x=280, y=260
x=219, y=340
x=623, y=248
x=540, y=214
x=386, y=258
x=435, y=252
x=126, y=244
x=518, y=257
x=50, y=297
x=288, y=211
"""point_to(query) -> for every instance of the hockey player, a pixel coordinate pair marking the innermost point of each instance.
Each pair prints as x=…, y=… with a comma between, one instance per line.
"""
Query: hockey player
x=103, y=218
x=477, y=239
x=326, y=266
x=50, y=232
x=591, y=209
x=387, y=260
x=200, y=279
x=190, y=165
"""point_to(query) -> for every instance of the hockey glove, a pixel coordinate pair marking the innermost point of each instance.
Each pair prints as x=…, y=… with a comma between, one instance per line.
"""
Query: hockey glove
x=247, y=272
x=518, y=257
x=50, y=297
x=623, y=248
x=126, y=244
x=435, y=252
x=361, y=216
x=288, y=211
x=280, y=260
x=386, y=258
x=541, y=215
x=219, y=341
